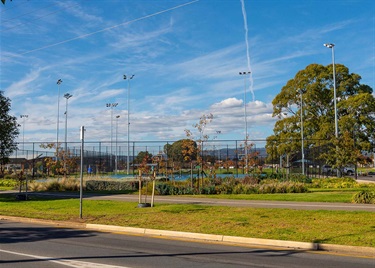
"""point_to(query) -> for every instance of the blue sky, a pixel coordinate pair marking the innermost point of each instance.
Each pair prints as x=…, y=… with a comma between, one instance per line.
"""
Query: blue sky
x=186, y=57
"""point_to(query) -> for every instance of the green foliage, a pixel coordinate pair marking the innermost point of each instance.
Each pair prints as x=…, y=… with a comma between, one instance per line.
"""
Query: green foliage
x=334, y=183
x=71, y=185
x=283, y=187
x=342, y=151
x=13, y=176
x=95, y=185
x=245, y=189
x=355, y=108
x=181, y=150
x=8, y=182
x=364, y=197
x=169, y=189
x=142, y=156
x=163, y=189
x=208, y=190
x=8, y=132
x=232, y=185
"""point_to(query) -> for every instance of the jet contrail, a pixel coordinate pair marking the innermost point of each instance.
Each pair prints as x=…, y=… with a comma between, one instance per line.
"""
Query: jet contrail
x=247, y=48
x=108, y=28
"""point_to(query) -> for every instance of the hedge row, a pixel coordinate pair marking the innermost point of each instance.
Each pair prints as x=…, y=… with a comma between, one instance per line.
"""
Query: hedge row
x=8, y=182
x=70, y=185
x=93, y=185
x=166, y=188
x=335, y=183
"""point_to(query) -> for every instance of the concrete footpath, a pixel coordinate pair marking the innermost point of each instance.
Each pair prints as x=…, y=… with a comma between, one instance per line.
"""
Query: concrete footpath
x=368, y=252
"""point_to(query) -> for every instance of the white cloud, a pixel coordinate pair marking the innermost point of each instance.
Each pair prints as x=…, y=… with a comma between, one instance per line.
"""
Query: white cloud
x=227, y=103
x=23, y=87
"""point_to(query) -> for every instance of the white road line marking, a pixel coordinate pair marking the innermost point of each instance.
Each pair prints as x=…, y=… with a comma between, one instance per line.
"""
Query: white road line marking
x=71, y=263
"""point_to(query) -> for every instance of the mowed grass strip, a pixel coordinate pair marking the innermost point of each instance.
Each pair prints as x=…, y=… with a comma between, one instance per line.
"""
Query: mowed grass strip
x=316, y=196
x=332, y=227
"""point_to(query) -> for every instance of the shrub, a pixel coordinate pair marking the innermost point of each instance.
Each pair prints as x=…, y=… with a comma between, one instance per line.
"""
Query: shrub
x=336, y=183
x=10, y=176
x=245, y=189
x=96, y=185
x=208, y=190
x=250, y=180
x=37, y=186
x=163, y=189
x=277, y=176
x=300, y=178
x=364, y=197
x=53, y=186
x=8, y=182
x=283, y=187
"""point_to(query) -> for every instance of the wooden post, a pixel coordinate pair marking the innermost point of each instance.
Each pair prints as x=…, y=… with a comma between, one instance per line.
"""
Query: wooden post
x=140, y=186
x=153, y=189
x=191, y=174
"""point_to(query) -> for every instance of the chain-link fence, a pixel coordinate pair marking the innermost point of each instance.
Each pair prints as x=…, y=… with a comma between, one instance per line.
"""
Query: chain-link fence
x=218, y=156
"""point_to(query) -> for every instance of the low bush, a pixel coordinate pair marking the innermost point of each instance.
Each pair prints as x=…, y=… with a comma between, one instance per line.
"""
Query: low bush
x=37, y=186
x=233, y=187
x=300, y=178
x=164, y=189
x=335, y=183
x=98, y=185
x=246, y=189
x=10, y=176
x=8, y=182
x=364, y=197
x=68, y=184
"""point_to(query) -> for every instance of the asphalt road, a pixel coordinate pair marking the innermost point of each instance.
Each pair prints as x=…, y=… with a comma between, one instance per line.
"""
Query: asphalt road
x=33, y=245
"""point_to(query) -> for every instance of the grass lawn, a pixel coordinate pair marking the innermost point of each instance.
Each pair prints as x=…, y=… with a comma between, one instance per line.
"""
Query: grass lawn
x=332, y=227
x=336, y=196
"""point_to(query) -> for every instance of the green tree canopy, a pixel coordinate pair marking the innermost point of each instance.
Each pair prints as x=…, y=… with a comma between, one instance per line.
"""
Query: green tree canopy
x=143, y=156
x=355, y=110
x=8, y=132
x=181, y=151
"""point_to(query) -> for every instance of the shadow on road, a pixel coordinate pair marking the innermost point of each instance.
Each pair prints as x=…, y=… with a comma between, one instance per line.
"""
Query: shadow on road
x=35, y=234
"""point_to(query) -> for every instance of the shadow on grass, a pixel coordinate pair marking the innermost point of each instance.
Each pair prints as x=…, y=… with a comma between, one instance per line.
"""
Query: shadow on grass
x=330, y=240
x=39, y=196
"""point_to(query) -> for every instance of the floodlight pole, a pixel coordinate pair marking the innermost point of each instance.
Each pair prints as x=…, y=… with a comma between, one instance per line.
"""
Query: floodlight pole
x=128, y=158
x=111, y=105
x=332, y=46
x=67, y=96
x=245, y=74
x=117, y=117
x=23, y=116
x=58, y=117
x=302, y=138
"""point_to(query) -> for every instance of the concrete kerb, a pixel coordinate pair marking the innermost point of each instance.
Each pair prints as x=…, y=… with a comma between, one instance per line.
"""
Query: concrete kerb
x=271, y=242
x=205, y=237
x=352, y=250
x=113, y=228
